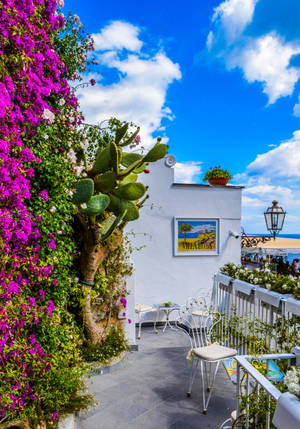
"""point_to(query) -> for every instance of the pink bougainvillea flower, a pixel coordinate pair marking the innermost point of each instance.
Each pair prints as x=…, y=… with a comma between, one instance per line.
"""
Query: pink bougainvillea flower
x=51, y=244
x=92, y=82
x=123, y=301
x=44, y=195
x=41, y=294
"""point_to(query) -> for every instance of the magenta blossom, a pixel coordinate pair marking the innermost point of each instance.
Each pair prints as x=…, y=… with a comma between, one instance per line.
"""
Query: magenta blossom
x=41, y=294
x=51, y=244
x=44, y=195
x=92, y=82
x=123, y=301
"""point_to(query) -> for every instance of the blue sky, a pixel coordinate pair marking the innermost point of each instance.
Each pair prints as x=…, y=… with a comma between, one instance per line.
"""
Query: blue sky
x=198, y=226
x=219, y=79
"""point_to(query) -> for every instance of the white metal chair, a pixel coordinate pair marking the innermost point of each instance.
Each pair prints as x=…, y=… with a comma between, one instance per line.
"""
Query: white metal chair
x=141, y=310
x=199, y=321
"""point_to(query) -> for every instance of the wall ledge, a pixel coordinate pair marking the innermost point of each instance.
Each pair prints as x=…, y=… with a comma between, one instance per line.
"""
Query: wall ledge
x=201, y=185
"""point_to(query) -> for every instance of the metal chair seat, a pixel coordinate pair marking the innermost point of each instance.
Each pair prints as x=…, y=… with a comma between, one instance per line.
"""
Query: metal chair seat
x=214, y=352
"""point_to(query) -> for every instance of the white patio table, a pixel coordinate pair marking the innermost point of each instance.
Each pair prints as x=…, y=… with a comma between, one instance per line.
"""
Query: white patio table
x=168, y=309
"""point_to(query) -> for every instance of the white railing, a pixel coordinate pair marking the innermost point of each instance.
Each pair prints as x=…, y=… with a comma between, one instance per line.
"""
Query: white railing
x=277, y=315
x=251, y=381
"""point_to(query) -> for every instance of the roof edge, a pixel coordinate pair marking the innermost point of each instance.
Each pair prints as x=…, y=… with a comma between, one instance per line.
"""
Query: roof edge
x=200, y=185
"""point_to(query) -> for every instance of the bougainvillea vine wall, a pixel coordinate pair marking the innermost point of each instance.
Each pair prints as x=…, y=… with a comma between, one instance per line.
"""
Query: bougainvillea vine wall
x=31, y=84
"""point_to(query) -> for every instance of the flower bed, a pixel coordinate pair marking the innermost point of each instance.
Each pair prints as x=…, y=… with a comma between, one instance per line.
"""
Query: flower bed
x=264, y=278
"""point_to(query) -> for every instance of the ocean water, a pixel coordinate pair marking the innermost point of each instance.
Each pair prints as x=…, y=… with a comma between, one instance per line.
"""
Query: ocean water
x=290, y=256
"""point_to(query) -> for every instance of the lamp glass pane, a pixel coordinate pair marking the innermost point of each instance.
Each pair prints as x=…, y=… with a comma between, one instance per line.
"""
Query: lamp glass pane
x=268, y=218
x=274, y=221
x=281, y=217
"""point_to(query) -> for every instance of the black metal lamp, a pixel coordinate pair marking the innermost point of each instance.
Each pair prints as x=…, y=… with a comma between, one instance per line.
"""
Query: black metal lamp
x=274, y=217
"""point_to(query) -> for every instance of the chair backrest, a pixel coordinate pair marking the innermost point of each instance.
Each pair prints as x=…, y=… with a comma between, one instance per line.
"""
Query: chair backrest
x=197, y=320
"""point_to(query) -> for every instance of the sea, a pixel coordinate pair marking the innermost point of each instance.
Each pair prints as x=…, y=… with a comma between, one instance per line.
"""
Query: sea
x=290, y=256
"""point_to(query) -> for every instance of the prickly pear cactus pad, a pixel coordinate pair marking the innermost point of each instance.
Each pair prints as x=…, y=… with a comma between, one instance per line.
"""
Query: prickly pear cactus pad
x=131, y=191
x=84, y=191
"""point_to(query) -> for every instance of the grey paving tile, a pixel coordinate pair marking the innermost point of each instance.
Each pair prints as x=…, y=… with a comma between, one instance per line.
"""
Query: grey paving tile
x=149, y=390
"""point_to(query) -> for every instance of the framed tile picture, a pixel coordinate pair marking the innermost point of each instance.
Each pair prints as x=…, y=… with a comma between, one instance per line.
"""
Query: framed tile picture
x=196, y=236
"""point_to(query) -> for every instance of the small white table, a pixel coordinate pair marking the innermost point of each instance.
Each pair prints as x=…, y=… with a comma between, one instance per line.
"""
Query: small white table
x=168, y=309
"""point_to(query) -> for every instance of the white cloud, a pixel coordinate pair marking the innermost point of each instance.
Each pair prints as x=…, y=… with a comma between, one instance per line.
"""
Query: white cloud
x=118, y=35
x=138, y=94
x=272, y=175
x=262, y=195
x=281, y=163
x=234, y=16
x=187, y=172
x=266, y=59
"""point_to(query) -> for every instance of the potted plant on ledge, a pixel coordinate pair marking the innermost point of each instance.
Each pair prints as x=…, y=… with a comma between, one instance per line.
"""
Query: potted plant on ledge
x=217, y=176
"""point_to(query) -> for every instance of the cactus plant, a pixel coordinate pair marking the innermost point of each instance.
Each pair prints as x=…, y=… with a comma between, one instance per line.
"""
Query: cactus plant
x=96, y=205
x=102, y=161
x=105, y=182
x=84, y=191
x=129, y=179
x=129, y=158
x=156, y=153
x=131, y=191
x=106, y=200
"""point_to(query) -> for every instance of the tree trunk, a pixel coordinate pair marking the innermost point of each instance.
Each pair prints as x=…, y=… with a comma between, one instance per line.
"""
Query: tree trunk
x=91, y=259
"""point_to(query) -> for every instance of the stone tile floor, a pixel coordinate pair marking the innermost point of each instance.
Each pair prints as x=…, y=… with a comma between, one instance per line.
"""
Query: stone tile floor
x=147, y=390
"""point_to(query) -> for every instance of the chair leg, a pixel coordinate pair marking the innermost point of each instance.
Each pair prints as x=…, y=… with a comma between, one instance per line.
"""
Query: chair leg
x=194, y=366
x=140, y=326
x=225, y=423
x=209, y=383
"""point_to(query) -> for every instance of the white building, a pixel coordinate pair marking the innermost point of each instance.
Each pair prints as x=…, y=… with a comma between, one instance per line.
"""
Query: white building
x=162, y=276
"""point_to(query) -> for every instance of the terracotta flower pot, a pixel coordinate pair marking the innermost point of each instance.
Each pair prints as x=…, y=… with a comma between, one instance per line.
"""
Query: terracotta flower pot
x=218, y=181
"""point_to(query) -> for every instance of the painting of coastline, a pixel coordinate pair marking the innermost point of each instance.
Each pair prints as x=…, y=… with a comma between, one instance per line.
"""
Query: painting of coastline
x=196, y=236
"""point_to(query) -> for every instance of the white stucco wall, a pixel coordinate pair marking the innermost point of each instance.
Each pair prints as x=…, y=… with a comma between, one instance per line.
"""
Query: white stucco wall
x=159, y=275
